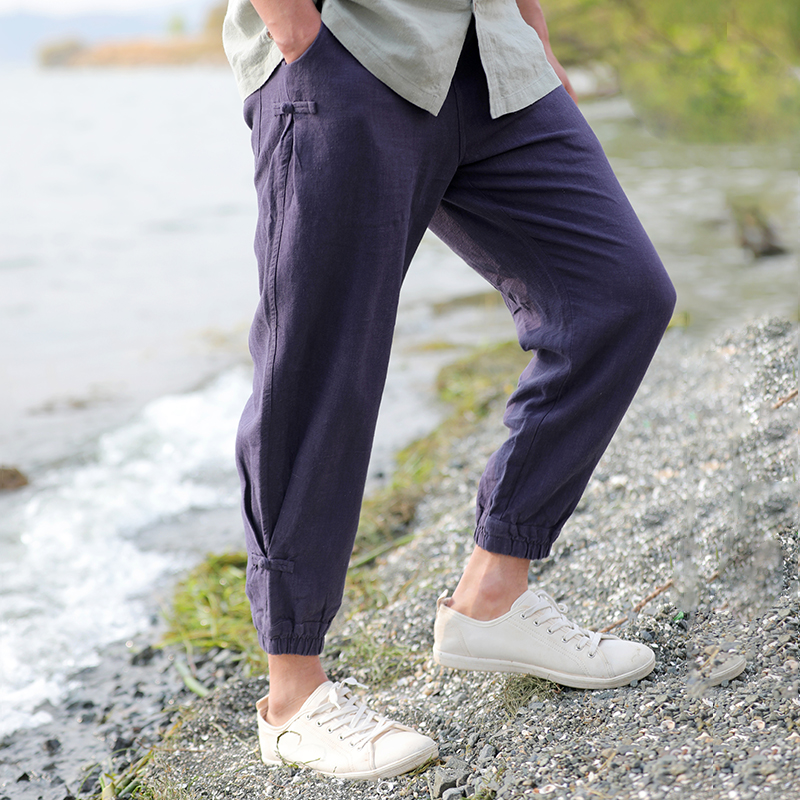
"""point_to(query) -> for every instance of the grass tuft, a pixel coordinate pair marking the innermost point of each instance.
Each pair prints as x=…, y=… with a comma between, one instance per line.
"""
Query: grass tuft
x=140, y=781
x=210, y=609
x=377, y=662
x=518, y=691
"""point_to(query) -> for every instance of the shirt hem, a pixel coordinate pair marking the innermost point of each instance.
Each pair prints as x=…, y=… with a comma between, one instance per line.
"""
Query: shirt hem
x=499, y=106
x=362, y=50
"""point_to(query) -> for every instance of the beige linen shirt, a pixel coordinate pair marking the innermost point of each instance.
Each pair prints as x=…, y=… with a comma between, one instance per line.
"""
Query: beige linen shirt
x=412, y=46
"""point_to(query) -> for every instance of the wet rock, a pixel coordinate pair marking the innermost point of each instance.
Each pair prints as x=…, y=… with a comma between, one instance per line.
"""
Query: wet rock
x=121, y=745
x=756, y=233
x=91, y=783
x=144, y=656
x=12, y=478
x=82, y=704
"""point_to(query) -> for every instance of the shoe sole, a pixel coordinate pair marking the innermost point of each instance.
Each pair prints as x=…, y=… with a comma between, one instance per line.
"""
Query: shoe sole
x=565, y=679
x=388, y=771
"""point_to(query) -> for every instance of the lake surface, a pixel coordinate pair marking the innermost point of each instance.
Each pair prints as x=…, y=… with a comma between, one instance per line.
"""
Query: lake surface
x=127, y=283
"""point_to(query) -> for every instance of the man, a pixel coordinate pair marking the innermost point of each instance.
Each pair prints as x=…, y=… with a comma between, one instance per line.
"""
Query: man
x=371, y=122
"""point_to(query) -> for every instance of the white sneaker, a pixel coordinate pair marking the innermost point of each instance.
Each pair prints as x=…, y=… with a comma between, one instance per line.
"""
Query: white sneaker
x=337, y=734
x=535, y=638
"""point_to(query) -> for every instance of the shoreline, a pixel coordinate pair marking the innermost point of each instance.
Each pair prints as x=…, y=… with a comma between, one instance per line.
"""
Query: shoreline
x=702, y=426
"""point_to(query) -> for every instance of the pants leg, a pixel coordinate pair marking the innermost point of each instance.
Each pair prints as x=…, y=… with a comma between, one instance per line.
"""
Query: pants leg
x=347, y=175
x=536, y=209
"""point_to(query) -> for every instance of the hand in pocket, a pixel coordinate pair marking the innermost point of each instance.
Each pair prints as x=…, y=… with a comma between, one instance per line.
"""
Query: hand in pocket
x=292, y=24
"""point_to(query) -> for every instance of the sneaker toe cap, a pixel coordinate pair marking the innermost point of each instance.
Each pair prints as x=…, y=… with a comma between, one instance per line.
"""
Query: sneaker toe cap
x=627, y=658
x=404, y=749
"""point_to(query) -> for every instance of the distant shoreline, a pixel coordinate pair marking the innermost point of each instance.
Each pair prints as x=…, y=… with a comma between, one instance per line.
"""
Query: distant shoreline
x=176, y=51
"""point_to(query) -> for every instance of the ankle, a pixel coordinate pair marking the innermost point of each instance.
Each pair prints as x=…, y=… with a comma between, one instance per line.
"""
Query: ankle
x=483, y=605
x=292, y=680
x=280, y=709
x=491, y=583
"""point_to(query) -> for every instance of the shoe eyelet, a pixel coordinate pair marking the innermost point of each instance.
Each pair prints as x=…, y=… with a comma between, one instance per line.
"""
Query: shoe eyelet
x=319, y=724
x=591, y=655
x=550, y=632
x=564, y=639
x=536, y=623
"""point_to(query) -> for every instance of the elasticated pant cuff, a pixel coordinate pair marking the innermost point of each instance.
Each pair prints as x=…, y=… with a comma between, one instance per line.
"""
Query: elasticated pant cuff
x=293, y=645
x=518, y=541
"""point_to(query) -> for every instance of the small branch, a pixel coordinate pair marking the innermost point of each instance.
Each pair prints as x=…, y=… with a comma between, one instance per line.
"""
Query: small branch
x=786, y=399
x=655, y=593
x=640, y=605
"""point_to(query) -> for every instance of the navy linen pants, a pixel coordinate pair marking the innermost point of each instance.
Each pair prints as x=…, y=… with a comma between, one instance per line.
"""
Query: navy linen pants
x=348, y=177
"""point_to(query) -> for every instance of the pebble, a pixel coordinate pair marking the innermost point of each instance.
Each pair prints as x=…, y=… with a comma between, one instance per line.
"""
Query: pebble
x=486, y=755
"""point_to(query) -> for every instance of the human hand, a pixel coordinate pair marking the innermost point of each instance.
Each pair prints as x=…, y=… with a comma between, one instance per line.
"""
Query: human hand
x=292, y=24
x=561, y=72
x=531, y=12
x=293, y=45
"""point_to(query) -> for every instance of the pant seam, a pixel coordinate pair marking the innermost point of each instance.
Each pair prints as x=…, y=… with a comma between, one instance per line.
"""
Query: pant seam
x=272, y=290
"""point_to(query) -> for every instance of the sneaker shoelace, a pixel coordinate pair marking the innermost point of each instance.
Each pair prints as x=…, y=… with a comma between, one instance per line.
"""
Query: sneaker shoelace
x=547, y=610
x=344, y=714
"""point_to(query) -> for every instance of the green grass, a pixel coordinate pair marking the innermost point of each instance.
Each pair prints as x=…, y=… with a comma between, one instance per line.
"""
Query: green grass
x=210, y=609
x=380, y=663
x=519, y=690
x=135, y=782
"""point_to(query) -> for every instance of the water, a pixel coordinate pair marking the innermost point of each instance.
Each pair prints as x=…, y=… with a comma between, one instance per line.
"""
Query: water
x=127, y=283
x=683, y=195
x=73, y=576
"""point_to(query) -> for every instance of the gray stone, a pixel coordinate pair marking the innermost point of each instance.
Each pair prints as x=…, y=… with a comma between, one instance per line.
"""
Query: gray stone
x=453, y=794
x=460, y=769
x=488, y=752
x=443, y=779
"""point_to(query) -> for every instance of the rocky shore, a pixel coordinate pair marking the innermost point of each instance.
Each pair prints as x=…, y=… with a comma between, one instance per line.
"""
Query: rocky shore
x=694, y=506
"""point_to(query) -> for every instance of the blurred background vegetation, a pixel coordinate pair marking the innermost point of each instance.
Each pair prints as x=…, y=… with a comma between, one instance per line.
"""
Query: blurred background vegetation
x=697, y=70
x=694, y=70
x=177, y=46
